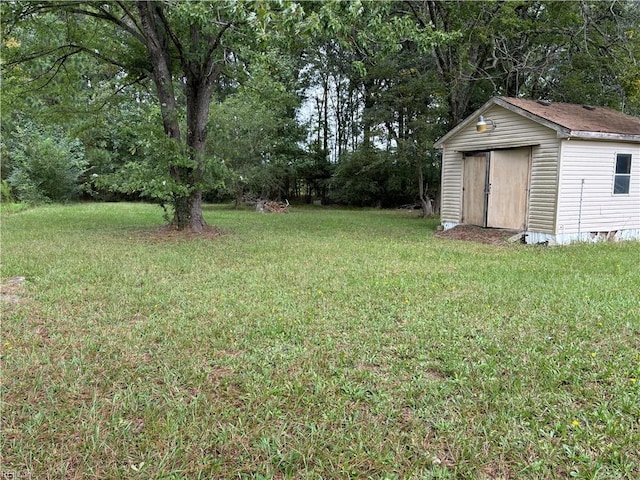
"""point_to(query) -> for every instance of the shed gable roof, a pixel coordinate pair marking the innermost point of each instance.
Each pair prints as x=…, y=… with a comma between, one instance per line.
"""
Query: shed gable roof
x=567, y=119
x=579, y=118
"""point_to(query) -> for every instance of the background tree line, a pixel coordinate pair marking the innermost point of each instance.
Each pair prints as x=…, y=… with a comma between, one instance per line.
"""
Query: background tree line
x=180, y=102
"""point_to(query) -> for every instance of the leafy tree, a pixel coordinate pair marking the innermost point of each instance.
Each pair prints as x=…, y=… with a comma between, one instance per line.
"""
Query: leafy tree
x=313, y=173
x=582, y=52
x=45, y=165
x=123, y=134
x=601, y=64
x=544, y=49
x=182, y=47
x=408, y=106
x=177, y=100
x=371, y=177
x=382, y=53
x=255, y=132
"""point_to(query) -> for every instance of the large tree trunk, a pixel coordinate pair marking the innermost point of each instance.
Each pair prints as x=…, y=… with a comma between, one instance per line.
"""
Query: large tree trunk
x=200, y=72
x=187, y=212
x=156, y=44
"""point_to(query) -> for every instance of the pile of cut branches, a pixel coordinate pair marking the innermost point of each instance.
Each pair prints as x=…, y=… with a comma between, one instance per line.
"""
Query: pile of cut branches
x=272, y=206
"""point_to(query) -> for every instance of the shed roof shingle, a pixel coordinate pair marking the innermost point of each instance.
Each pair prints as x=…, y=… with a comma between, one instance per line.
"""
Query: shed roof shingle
x=580, y=118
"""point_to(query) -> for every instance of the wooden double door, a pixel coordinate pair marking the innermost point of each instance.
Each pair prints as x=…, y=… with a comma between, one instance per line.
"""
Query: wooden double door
x=495, y=188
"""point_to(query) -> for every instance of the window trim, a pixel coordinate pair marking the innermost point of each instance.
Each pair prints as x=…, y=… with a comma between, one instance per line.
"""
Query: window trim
x=617, y=175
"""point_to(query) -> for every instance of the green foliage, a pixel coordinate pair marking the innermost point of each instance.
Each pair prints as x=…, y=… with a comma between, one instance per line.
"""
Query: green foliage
x=130, y=157
x=45, y=165
x=253, y=133
x=149, y=157
x=582, y=52
x=601, y=67
x=374, y=75
x=371, y=177
x=316, y=172
x=377, y=29
x=121, y=135
x=6, y=195
x=391, y=75
x=184, y=48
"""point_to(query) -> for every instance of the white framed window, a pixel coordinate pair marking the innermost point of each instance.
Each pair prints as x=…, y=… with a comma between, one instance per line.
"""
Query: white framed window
x=622, y=177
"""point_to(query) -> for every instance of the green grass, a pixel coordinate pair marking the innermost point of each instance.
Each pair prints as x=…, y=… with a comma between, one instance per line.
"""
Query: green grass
x=12, y=207
x=318, y=344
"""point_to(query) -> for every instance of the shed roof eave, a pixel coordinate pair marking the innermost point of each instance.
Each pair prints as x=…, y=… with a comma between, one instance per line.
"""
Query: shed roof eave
x=485, y=147
x=599, y=136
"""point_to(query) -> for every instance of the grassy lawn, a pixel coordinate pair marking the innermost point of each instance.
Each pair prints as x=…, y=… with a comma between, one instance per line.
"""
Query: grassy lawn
x=318, y=344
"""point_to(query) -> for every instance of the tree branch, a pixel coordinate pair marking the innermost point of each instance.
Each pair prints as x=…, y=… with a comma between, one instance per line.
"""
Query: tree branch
x=57, y=65
x=100, y=13
x=415, y=14
x=138, y=79
x=104, y=15
x=33, y=56
x=211, y=70
x=128, y=14
x=174, y=39
x=97, y=54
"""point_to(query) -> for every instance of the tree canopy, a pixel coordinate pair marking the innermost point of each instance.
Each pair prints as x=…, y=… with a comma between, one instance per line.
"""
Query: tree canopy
x=177, y=102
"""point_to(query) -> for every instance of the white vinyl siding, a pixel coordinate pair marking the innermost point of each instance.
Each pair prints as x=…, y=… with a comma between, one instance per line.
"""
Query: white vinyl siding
x=587, y=202
x=512, y=130
x=451, y=187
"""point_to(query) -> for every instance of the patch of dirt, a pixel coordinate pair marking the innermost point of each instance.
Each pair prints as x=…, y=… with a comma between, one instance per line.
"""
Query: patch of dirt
x=435, y=375
x=170, y=233
x=474, y=233
x=11, y=290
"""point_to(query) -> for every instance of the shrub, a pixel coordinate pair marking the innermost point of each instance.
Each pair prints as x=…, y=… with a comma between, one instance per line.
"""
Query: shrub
x=5, y=192
x=371, y=177
x=45, y=165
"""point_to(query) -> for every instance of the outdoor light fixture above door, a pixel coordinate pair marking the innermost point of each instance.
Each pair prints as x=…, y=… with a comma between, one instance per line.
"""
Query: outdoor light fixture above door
x=485, y=124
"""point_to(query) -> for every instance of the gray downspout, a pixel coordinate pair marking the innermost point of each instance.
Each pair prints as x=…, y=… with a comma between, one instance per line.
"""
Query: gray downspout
x=580, y=211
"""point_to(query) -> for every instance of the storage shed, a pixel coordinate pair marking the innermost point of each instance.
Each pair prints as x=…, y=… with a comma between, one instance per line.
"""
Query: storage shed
x=556, y=172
